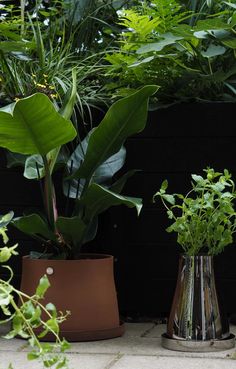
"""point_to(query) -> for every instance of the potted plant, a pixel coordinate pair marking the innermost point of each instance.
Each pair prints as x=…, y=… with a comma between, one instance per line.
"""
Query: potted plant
x=27, y=316
x=205, y=222
x=33, y=126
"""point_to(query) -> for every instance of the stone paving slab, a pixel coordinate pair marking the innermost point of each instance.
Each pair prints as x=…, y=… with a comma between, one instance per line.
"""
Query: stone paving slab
x=143, y=340
x=156, y=331
x=142, y=346
x=155, y=362
x=139, y=348
x=139, y=329
x=12, y=345
x=19, y=361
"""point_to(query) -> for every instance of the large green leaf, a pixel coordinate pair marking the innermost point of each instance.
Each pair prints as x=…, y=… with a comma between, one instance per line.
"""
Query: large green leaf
x=166, y=39
x=34, y=167
x=97, y=199
x=211, y=24
x=103, y=174
x=213, y=50
x=73, y=229
x=36, y=171
x=120, y=183
x=33, y=126
x=124, y=118
x=33, y=224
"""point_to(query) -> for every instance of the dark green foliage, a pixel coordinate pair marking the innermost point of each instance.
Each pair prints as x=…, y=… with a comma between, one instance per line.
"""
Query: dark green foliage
x=187, y=50
x=40, y=42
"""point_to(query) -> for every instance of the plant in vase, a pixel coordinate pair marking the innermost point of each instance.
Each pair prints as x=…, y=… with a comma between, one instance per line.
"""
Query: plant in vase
x=32, y=126
x=27, y=316
x=205, y=222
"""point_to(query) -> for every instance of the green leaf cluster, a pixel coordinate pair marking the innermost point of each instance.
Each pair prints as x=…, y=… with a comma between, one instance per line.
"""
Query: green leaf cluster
x=205, y=218
x=187, y=50
x=26, y=314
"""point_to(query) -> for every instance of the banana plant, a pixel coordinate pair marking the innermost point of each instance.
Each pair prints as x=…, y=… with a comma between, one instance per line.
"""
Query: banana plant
x=33, y=126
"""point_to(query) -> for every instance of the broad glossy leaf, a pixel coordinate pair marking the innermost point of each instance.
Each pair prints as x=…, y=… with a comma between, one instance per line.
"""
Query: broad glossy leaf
x=98, y=199
x=118, y=186
x=143, y=61
x=201, y=34
x=34, y=225
x=167, y=39
x=125, y=117
x=56, y=158
x=103, y=174
x=211, y=24
x=91, y=230
x=73, y=229
x=213, y=50
x=33, y=126
x=31, y=164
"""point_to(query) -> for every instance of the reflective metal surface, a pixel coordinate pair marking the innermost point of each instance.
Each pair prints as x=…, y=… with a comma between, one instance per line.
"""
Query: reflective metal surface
x=195, y=312
x=198, y=346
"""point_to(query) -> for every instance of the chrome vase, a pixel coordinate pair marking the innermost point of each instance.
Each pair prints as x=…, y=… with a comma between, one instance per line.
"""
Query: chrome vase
x=195, y=313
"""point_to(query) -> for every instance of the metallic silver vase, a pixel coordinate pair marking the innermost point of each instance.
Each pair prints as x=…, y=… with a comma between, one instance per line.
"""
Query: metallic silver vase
x=195, y=313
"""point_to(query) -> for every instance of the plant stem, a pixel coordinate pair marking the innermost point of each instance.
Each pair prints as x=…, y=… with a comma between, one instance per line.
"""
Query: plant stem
x=50, y=199
x=22, y=13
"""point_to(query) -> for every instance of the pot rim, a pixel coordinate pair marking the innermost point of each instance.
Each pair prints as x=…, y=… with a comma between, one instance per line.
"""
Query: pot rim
x=198, y=255
x=83, y=257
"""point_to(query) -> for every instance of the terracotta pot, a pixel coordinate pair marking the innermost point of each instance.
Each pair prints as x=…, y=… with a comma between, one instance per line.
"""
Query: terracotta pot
x=85, y=287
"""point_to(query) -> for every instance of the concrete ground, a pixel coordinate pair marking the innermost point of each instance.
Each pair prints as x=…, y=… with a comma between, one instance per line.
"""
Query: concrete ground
x=139, y=348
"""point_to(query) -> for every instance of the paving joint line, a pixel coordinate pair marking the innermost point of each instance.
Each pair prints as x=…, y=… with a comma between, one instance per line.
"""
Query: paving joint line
x=144, y=334
x=114, y=361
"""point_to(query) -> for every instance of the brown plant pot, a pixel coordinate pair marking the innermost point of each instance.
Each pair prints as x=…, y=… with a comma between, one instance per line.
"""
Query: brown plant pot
x=85, y=287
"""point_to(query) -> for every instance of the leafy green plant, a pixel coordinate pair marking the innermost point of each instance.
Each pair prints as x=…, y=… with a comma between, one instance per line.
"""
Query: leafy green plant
x=25, y=313
x=32, y=126
x=41, y=42
x=205, y=218
x=189, y=53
